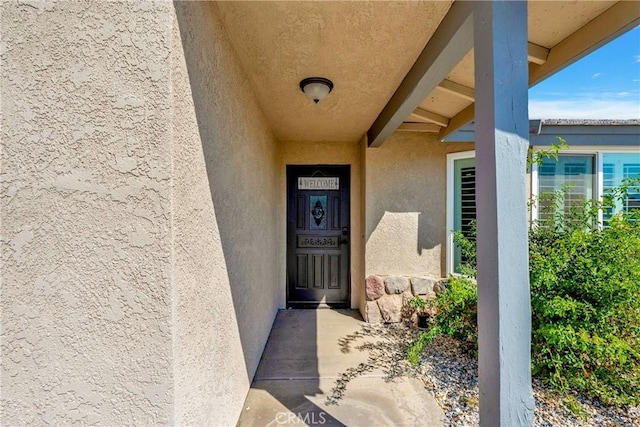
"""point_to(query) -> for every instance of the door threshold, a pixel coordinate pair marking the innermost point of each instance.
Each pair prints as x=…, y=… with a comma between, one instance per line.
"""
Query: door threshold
x=314, y=305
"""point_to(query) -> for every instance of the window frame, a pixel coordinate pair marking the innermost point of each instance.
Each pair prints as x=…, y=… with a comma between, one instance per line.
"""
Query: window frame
x=451, y=158
x=598, y=152
x=534, y=183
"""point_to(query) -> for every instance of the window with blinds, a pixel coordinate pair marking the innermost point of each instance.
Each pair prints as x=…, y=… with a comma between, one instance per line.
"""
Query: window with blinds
x=616, y=167
x=633, y=198
x=464, y=202
x=467, y=199
x=573, y=175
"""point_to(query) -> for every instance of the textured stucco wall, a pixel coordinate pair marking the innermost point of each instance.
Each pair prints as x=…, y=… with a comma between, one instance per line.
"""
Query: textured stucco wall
x=139, y=269
x=226, y=255
x=406, y=205
x=326, y=153
x=282, y=42
x=86, y=213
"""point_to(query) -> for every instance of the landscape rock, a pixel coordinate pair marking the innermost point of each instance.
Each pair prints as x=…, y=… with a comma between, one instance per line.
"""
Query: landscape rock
x=374, y=287
x=372, y=312
x=423, y=285
x=396, y=284
x=391, y=308
x=440, y=286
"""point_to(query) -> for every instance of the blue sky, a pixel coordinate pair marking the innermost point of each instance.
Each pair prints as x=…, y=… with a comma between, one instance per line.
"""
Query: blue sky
x=603, y=85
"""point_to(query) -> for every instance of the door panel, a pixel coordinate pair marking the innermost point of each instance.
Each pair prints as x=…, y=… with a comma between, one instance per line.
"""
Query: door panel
x=318, y=235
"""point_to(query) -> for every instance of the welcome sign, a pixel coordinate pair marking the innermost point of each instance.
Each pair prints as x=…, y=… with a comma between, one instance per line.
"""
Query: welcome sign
x=318, y=183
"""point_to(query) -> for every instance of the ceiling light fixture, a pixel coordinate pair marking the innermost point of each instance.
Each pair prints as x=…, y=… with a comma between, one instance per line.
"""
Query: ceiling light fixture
x=316, y=88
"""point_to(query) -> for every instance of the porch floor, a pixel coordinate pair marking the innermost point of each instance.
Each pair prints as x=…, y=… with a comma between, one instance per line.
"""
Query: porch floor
x=300, y=365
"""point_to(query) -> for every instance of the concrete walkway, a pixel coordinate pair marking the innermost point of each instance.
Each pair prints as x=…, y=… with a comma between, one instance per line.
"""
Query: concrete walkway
x=300, y=366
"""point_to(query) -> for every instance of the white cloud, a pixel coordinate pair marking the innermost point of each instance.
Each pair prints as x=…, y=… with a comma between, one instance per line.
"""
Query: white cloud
x=585, y=109
x=596, y=75
x=637, y=58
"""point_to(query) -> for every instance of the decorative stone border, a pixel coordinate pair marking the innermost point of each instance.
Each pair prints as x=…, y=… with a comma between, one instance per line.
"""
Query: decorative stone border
x=388, y=296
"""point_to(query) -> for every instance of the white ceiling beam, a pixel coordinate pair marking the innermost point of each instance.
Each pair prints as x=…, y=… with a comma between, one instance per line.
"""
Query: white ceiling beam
x=431, y=117
x=614, y=21
x=419, y=127
x=452, y=40
x=537, y=54
x=457, y=89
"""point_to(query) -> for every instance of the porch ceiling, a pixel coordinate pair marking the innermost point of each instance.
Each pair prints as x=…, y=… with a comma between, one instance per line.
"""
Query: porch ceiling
x=367, y=49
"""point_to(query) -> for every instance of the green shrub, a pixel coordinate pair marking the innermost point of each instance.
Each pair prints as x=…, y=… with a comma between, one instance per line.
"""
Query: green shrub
x=585, y=296
x=418, y=304
x=585, y=299
x=416, y=347
x=456, y=316
x=467, y=245
x=457, y=312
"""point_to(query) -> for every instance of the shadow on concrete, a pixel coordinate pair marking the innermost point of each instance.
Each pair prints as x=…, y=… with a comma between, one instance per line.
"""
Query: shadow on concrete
x=386, y=347
x=288, y=375
x=359, y=377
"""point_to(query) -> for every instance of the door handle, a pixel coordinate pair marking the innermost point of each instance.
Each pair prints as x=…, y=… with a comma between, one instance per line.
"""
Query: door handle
x=345, y=232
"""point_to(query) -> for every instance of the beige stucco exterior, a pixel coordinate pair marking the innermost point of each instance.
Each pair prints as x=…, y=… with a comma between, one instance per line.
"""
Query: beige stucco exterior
x=140, y=270
x=86, y=214
x=406, y=205
x=325, y=153
x=143, y=197
x=145, y=210
x=347, y=42
x=173, y=244
x=225, y=282
x=398, y=204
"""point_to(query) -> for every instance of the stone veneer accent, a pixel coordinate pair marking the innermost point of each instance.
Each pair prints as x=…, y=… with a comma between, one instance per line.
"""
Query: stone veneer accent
x=396, y=284
x=374, y=287
x=388, y=296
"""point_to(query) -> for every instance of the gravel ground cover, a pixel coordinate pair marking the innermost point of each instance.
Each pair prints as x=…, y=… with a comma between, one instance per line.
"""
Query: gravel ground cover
x=451, y=375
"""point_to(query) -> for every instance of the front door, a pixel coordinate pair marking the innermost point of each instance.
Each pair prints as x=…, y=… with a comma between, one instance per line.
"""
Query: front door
x=318, y=235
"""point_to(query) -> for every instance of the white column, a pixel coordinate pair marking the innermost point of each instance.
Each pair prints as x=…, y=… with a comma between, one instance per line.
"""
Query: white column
x=501, y=125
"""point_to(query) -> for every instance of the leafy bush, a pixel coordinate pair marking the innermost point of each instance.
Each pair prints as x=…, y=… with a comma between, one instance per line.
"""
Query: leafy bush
x=456, y=316
x=418, y=304
x=585, y=295
x=467, y=245
x=416, y=347
x=457, y=312
x=585, y=298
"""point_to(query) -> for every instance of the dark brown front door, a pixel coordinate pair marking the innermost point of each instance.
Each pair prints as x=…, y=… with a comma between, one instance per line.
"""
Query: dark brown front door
x=318, y=235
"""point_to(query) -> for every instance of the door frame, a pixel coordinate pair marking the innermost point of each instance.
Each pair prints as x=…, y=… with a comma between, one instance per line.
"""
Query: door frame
x=292, y=168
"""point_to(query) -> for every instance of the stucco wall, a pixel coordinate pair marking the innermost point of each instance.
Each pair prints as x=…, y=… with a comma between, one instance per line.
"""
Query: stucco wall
x=326, y=153
x=139, y=186
x=226, y=255
x=406, y=205
x=86, y=213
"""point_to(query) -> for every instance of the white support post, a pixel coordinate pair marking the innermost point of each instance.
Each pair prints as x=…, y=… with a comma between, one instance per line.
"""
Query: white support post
x=502, y=131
